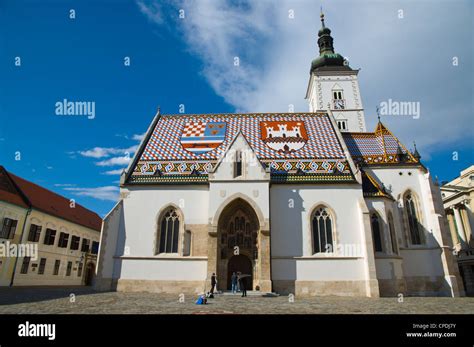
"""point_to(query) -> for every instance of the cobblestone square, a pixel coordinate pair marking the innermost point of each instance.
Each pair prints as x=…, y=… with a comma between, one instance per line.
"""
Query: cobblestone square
x=82, y=300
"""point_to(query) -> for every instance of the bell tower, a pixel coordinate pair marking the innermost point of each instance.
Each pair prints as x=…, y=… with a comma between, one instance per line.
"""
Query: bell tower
x=333, y=84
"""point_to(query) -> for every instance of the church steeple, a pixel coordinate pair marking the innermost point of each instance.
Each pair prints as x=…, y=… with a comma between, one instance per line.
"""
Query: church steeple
x=332, y=82
x=327, y=56
x=325, y=39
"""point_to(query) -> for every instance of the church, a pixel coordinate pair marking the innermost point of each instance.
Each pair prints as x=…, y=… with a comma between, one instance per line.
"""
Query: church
x=304, y=203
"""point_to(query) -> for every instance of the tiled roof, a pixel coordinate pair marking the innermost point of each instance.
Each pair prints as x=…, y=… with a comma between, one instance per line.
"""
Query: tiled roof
x=181, y=144
x=371, y=188
x=8, y=192
x=165, y=142
x=379, y=147
x=49, y=202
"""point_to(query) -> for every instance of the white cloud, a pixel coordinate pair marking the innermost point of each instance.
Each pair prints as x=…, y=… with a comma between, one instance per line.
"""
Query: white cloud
x=97, y=152
x=64, y=185
x=102, y=152
x=110, y=193
x=114, y=161
x=152, y=10
x=400, y=57
x=125, y=155
x=114, y=172
x=138, y=137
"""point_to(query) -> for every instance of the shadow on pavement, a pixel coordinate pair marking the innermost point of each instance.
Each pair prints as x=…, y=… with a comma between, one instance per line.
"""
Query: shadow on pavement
x=18, y=295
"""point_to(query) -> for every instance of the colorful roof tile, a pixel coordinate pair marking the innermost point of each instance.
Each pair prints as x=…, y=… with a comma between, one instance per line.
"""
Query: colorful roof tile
x=284, y=143
x=379, y=147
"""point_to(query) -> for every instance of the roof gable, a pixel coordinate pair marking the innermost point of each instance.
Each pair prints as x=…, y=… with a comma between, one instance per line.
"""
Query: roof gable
x=251, y=166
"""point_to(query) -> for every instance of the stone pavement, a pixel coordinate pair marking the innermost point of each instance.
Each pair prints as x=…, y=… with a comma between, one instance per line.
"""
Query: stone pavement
x=85, y=300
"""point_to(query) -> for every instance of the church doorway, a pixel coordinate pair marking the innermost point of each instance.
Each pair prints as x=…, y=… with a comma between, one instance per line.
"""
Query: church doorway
x=237, y=244
x=240, y=263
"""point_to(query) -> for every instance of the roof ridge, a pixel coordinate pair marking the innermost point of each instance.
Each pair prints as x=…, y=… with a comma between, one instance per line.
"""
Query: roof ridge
x=55, y=204
x=358, y=133
x=244, y=114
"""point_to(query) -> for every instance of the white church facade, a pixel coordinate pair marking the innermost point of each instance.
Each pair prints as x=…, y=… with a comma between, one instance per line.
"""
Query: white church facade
x=305, y=203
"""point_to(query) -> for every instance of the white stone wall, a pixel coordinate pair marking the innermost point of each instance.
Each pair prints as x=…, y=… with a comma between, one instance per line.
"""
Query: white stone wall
x=136, y=241
x=288, y=208
x=143, y=205
x=252, y=185
x=321, y=93
x=291, y=240
x=164, y=270
x=112, y=227
x=418, y=260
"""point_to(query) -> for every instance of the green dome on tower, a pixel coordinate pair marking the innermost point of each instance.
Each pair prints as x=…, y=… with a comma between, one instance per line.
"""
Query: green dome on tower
x=327, y=59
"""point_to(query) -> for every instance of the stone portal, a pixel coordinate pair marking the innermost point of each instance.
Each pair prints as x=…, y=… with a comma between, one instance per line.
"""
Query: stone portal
x=240, y=244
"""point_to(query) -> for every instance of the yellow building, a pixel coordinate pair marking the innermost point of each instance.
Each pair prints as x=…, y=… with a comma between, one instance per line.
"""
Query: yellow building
x=45, y=238
x=458, y=201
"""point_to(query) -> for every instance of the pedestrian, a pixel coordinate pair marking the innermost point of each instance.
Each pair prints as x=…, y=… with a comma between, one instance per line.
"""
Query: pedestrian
x=234, y=282
x=238, y=281
x=213, y=282
x=243, y=284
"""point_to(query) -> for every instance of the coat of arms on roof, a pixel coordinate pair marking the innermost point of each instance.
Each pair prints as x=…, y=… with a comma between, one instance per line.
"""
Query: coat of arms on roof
x=202, y=137
x=285, y=137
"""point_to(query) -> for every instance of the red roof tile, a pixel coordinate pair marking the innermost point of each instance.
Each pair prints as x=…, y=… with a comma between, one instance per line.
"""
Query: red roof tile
x=47, y=201
x=8, y=191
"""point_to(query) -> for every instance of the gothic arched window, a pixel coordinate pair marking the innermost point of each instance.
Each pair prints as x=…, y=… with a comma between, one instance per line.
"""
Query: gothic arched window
x=414, y=225
x=376, y=232
x=393, y=234
x=169, y=232
x=322, y=229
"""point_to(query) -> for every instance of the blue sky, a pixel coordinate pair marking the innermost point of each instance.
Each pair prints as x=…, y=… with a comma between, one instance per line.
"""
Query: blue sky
x=190, y=61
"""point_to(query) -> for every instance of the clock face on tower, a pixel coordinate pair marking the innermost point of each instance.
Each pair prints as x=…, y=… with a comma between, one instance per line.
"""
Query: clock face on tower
x=339, y=104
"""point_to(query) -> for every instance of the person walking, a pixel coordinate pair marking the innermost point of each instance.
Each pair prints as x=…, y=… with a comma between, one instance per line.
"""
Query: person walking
x=213, y=282
x=233, y=281
x=243, y=284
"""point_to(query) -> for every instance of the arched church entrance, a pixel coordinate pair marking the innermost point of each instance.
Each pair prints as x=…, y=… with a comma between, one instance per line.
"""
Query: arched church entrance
x=237, y=244
x=240, y=264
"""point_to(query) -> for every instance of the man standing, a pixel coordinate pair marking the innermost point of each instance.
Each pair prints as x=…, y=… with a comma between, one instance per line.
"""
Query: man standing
x=243, y=284
x=233, y=281
x=213, y=282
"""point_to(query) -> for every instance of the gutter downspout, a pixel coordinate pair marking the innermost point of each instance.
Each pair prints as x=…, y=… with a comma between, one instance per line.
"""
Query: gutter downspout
x=21, y=240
